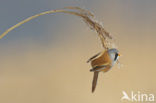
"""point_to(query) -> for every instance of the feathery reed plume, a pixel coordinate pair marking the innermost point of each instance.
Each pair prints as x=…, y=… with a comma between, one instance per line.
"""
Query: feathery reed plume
x=87, y=16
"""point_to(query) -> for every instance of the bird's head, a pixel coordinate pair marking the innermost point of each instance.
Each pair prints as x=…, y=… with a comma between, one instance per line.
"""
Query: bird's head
x=114, y=54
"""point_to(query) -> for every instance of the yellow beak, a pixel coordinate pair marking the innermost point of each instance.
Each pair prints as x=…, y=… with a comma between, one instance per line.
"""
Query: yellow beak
x=119, y=54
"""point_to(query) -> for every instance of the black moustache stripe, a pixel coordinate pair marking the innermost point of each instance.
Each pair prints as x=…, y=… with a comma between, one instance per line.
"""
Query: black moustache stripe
x=116, y=55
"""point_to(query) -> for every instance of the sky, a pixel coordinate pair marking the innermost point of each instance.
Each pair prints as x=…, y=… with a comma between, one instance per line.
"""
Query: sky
x=44, y=60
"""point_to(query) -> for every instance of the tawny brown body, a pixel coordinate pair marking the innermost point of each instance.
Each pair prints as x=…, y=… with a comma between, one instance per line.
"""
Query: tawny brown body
x=101, y=62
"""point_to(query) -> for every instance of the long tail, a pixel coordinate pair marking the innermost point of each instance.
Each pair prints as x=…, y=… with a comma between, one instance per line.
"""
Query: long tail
x=95, y=77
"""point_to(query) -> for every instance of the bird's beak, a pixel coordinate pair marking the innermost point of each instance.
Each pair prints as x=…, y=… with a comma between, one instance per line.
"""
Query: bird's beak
x=119, y=54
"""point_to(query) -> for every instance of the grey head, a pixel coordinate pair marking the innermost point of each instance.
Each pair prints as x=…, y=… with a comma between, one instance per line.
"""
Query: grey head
x=114, y=55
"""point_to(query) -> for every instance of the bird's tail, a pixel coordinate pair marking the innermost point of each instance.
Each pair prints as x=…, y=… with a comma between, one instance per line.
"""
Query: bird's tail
x=95, y=77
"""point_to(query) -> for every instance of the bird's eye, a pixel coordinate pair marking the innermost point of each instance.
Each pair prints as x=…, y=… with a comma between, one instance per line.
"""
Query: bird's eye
x=116, y=55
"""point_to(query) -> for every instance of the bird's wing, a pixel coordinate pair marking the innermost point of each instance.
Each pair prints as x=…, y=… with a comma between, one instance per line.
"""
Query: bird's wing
x=99, y=68
x=95, y=77
x=93, y=57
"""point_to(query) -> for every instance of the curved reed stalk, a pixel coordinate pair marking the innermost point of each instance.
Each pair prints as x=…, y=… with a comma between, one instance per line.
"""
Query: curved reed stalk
x=84, y=14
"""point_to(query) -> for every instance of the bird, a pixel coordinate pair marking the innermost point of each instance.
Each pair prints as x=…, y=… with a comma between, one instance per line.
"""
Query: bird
x=103, y=62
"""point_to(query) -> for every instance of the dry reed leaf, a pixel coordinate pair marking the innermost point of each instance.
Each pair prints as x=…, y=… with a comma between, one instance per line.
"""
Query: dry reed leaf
x=87, y=16
x=80, y=10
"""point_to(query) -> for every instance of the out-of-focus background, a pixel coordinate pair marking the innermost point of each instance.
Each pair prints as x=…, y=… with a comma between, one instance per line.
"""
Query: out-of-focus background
x=44, y=60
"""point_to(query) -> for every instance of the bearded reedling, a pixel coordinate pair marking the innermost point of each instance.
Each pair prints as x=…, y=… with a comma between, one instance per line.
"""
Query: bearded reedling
x=103, y=62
